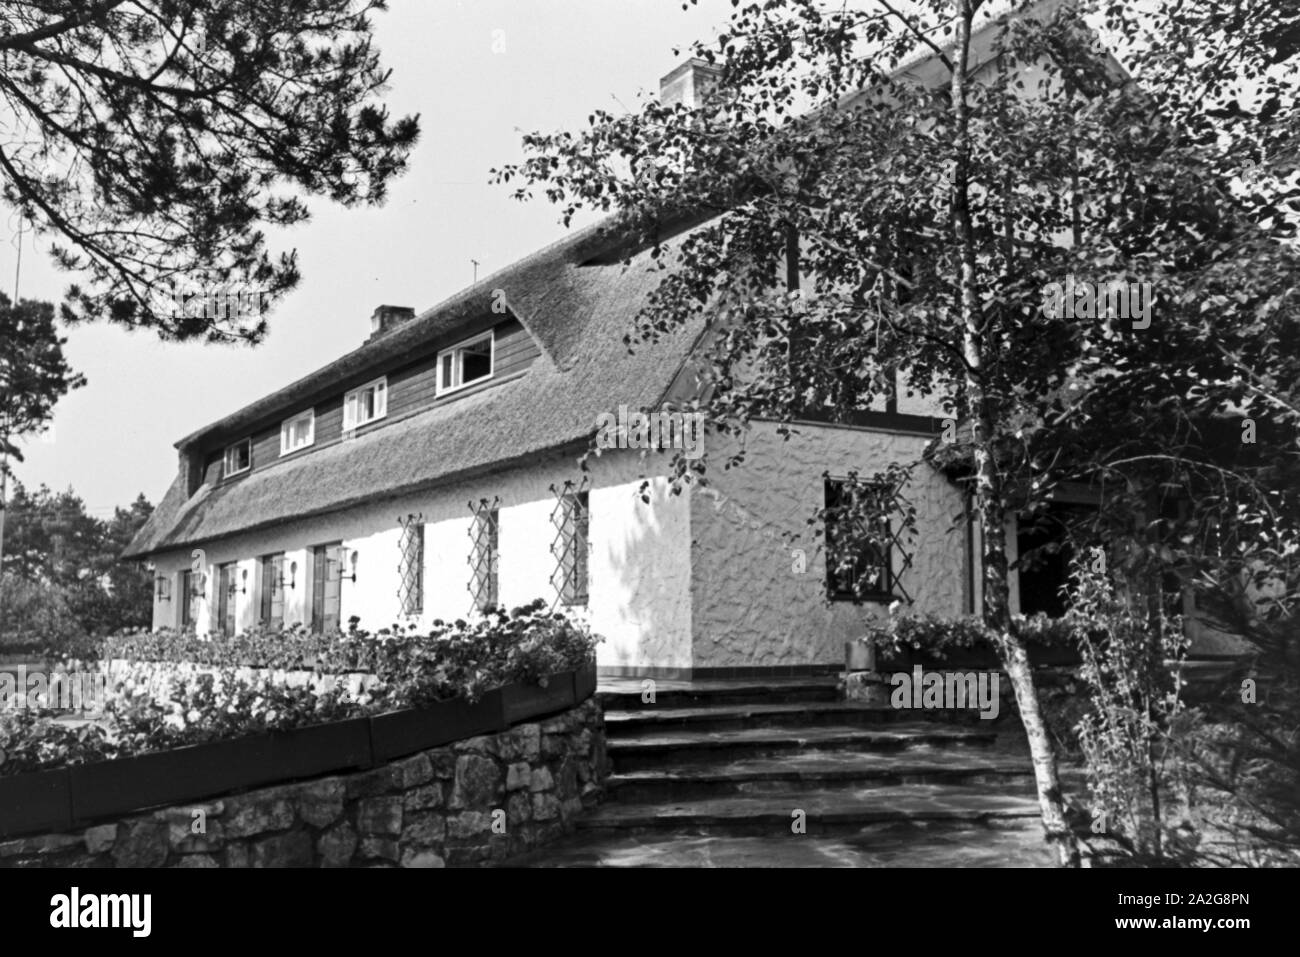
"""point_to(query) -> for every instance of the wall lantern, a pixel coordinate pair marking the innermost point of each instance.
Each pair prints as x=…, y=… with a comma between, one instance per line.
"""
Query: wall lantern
x=162, y=588
x=293, y=574
x=243, y=577
x=347, y=556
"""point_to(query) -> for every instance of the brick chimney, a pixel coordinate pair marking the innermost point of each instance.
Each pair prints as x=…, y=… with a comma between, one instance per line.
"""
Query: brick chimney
x=690, y=83
x=191, y=470
x=389, y=317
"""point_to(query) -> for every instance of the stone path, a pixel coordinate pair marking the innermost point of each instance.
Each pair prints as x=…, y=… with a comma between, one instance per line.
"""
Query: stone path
x=780, y=773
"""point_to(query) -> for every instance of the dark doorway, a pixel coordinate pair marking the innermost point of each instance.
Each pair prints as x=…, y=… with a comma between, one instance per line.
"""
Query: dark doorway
x=327, y=574
x=226, y=599
x=272, y=610
x=1044, y=554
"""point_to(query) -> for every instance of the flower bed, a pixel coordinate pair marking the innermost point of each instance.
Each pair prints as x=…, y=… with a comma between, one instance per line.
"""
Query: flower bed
x=176, y=690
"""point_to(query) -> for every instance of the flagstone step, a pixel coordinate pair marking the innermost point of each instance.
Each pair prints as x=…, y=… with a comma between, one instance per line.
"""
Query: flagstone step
x=825, y=811
x=729, y=717
x=690, y=746
x=633, y=693
x=814, y=770
x=1017, y=842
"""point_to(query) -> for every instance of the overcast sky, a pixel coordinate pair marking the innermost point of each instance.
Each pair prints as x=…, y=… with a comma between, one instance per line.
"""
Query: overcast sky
x=113, y=438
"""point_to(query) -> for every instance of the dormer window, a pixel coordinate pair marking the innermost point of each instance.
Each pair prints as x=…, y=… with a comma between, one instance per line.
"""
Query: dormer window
x=465, y=363
x=298, y=432
x=239, y=457
x=365, y=404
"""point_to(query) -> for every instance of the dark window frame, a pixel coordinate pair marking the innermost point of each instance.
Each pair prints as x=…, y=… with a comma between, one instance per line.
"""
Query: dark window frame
x=837, y=589
x=226, y=471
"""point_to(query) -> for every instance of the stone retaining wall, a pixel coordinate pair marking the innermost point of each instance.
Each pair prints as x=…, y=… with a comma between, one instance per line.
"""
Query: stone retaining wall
x=478, y=801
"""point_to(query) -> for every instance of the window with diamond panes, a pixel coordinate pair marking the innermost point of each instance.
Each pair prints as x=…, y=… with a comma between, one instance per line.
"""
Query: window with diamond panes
x=572, y=519
x=410, y=570
x=864, y=559
x=484, y=554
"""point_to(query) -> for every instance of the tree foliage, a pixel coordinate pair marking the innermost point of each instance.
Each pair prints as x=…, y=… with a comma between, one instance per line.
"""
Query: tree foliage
x=34, y=373
x=155, y=140
x=63, y=575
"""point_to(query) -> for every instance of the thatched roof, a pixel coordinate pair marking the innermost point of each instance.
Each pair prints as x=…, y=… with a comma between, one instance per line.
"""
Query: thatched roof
x=577, y=301
x=575, y=304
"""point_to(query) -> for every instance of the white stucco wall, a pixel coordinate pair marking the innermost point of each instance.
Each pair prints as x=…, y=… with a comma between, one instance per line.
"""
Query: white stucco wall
x=641, y=590
x=639, y=557
x=755, y=602
x=703, y=579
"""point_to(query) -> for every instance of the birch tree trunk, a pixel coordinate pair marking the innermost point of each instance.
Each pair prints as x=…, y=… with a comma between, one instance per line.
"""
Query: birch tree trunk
x=988, y=487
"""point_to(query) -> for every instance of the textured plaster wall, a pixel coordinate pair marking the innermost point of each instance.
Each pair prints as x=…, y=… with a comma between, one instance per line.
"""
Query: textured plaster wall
x=639, y=557
x=755, y=601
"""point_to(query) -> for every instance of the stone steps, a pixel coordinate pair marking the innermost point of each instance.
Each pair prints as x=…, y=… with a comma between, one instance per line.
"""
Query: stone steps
x=651, y=751
x=712, y=772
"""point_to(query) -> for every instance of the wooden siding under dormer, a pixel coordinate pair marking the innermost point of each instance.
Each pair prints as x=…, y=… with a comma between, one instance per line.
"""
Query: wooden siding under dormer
x=411, y=389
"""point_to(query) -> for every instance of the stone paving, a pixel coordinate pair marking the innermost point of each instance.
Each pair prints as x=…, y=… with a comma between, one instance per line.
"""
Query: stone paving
x=887, y=845
x=823, y=807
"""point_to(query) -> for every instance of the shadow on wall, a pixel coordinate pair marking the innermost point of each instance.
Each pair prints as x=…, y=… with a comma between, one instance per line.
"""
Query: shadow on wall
x=644, y=549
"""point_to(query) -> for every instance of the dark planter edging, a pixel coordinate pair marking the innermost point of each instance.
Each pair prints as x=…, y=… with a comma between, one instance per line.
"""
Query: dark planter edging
x=519, y=702
x=37, y=801
x=399, y=733
x=321, y=748
x=584, y=683
x=191, y=773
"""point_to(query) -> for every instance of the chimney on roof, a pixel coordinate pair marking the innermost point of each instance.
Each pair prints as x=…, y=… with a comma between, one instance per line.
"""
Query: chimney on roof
x=389, y=317
x=191, y=470
x=690, y=83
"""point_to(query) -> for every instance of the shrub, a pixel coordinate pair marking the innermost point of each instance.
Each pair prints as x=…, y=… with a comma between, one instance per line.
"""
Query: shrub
x=1132, y=656
x=937, y=636
x=38, y=620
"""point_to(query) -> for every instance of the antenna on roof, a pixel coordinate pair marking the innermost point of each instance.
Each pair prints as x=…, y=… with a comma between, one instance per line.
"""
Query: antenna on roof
x=475, y=262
